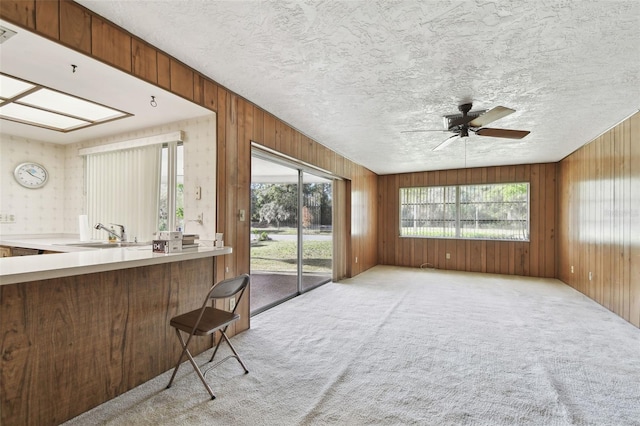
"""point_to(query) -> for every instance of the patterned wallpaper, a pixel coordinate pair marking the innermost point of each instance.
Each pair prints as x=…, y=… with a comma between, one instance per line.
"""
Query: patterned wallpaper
x=55, y=208
x=36, y=211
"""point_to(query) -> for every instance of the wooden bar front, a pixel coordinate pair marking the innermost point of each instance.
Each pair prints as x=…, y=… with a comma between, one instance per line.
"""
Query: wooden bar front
x=72, y=343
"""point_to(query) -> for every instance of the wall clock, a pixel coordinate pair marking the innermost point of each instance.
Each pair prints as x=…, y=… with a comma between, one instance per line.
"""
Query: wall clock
x=31, y=175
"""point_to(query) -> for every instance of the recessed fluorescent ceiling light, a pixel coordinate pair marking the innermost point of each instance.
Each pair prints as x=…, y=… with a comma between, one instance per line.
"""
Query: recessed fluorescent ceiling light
x=25, y=114
x=33, y=104
x=10, y=87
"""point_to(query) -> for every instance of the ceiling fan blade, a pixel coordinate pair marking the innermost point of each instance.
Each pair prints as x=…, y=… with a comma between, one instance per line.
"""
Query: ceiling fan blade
x=446, y=143
x=502, y=133
x=490, y=116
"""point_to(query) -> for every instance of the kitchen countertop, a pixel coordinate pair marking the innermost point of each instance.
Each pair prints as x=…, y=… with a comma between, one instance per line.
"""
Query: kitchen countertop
x=51, y=242
x=74, y=260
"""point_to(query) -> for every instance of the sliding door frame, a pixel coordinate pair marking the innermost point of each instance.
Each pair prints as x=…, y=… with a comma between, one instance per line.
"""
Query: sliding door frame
x=269, y=155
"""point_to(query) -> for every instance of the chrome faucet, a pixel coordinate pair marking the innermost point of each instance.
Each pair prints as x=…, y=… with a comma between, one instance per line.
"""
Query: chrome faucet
x=122, y=237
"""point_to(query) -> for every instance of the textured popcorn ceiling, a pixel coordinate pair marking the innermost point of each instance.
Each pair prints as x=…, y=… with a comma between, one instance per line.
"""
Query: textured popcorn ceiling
x=354, y=74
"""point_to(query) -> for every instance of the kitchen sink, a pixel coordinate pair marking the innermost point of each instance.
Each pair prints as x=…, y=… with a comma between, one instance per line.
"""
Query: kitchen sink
x=106, y=245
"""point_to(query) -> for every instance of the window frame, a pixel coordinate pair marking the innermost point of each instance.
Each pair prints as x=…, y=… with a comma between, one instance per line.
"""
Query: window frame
x=173, y=198
x=458, y=228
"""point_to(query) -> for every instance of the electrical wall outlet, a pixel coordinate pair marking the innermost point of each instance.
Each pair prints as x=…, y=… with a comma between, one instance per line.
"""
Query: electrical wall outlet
x=356, y=259
x=7, y=218
x=448, y=255
x=590, y=275
x=572, y=269
x=232, y=303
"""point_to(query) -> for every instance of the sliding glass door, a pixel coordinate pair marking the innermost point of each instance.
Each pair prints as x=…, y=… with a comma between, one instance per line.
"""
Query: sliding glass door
x=316, y=221
x=291, y=232
x=274, y=233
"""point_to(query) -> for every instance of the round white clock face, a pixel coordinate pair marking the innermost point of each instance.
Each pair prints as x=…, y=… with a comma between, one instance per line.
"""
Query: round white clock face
x=31, y=175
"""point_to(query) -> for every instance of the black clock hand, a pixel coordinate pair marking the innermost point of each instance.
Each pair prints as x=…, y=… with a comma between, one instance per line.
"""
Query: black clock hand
x=34, y=175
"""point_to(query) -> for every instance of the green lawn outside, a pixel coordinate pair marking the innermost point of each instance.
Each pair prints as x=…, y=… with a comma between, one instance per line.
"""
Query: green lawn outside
x=281, y=256
x=490, y=234
x=288, y=231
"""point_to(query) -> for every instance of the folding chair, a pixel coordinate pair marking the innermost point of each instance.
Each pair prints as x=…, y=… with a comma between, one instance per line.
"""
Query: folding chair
x=207, y=320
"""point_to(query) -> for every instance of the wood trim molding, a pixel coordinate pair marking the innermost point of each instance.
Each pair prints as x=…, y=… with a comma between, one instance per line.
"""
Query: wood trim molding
x=111, y=44
x=75, y=26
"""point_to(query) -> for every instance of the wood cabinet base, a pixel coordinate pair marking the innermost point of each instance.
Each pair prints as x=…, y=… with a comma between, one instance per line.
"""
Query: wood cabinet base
x=70, y=344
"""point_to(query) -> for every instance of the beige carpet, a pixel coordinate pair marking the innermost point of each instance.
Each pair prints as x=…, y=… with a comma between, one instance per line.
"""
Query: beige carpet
x=398, y=346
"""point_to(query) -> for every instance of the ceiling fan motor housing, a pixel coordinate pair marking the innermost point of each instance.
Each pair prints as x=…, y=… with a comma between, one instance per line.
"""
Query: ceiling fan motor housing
x=464, y=108
x=448, y=119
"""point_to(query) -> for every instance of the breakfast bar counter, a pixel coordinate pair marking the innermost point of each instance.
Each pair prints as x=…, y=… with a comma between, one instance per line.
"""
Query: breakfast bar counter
x=82, y=327
x=72, y=259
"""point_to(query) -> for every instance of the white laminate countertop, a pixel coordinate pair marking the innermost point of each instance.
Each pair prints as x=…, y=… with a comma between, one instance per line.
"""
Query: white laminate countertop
x=81, y=260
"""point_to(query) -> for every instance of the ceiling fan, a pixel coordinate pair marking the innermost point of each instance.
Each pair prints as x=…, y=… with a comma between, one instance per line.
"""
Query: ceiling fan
x=474, y=121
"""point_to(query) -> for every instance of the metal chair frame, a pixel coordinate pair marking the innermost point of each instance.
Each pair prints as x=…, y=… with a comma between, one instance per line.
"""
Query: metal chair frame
x=207, y=320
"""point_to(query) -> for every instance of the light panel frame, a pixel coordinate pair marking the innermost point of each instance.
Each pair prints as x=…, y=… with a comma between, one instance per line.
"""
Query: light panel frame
x=30, y=103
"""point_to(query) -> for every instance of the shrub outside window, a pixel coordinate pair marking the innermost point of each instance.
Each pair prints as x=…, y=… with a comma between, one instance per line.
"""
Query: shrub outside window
x=486, y=211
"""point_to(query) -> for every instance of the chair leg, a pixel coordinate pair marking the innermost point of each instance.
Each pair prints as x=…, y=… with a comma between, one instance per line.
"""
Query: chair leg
x=215, y=350
x=185, y=350
x=234, y=352
x=175, y=370
x=223, y=335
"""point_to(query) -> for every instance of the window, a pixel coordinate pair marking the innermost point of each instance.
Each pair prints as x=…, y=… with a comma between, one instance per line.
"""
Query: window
x=171, y=180
x=136, y=183
x=122, y=187
x=487, y=211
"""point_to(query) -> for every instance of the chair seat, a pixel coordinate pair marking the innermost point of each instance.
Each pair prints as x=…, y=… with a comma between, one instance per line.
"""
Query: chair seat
x=207, y=320
x=212, y=320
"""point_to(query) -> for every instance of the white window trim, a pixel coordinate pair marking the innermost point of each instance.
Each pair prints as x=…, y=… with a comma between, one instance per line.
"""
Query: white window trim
x=134, y=143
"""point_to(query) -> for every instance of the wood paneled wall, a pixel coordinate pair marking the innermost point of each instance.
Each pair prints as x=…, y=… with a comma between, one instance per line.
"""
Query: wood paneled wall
x=239, y=122
x=535, y=258
x=72, y=343
x=599, y=219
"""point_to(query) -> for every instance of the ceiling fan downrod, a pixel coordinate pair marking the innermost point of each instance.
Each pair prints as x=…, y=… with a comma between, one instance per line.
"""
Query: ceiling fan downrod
x=464, y=129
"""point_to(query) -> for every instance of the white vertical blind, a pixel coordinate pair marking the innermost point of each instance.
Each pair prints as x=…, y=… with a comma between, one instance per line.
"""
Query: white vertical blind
x=123, y=187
